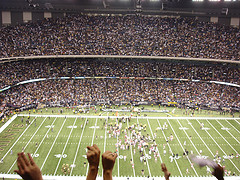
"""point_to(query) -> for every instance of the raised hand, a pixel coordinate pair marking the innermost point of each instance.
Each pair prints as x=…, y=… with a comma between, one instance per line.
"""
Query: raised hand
x=93, y=156
x=28, y=169
x=108, y=161
x=166, y=173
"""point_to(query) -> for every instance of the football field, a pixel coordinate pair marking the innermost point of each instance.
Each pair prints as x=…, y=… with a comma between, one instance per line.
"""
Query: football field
x=55, y=140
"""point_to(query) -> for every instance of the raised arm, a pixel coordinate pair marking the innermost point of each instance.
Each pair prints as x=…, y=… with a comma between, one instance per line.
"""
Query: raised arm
x=93, y=156
x=28, y=169
x=108, y=161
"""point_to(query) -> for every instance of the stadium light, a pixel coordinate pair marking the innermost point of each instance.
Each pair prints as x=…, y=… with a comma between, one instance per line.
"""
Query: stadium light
x=197, y=0
x=214, y=0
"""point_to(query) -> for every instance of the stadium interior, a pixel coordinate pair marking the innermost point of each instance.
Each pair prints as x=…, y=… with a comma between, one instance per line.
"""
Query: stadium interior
x=150, y=72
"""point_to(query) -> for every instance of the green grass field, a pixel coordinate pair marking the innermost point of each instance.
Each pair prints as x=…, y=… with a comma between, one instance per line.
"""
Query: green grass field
x=55, y=139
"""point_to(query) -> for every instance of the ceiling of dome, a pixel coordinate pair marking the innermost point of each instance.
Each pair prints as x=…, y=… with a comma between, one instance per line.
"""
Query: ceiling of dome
x=69, y=5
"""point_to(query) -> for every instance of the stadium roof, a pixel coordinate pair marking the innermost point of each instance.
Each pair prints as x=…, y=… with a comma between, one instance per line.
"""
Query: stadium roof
x=206, y=6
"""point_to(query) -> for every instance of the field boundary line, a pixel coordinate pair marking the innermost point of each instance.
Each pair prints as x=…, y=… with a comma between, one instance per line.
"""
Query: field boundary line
x=7, y=123
x=182, y=147
x=65, y=147
x=170, y=149
x=53, y=144
x=79, y=142
x=92, y=142
x=134, y=117
x=29, y=140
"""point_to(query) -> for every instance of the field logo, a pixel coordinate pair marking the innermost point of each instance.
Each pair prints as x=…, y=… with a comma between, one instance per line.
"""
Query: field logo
x=172, y=158
x=85, y=156
x=148, y=156
x=35, y=155
x=49, y=126
x=72, y=127
x=94, y=127
x=228, y=157
x=183, y=128
x=202, y=157
x=60, y=156
x=225, y=128
x=73, y=165
x=120, y=156
x=205, y=128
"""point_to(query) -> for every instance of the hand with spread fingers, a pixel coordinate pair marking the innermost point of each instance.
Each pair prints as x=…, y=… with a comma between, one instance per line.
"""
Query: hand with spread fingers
x=93, y=156
x=166, y=173
x=108, y=160
x=27, y=169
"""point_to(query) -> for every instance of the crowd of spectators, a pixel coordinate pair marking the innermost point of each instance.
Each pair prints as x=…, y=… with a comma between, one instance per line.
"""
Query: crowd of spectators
x=121, y=35
x=52, y=92
x=14, y=72
x=76, y=92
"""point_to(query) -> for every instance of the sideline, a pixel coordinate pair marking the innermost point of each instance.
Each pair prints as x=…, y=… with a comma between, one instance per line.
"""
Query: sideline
x=133, y=117
x=8, y=122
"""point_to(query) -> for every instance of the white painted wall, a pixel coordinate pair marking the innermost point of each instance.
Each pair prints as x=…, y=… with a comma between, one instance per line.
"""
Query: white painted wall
x=47, y=15
x=235, y=21
x=27, y=16
x=214, y=19
x=6, y=17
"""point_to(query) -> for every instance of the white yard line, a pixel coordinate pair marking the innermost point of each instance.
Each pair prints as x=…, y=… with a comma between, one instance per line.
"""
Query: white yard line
x=223, y=137
x=130, y=136
x=17, y=140
x=28, y=141
x=219, y=146
x=44, y=136
x=182, y=147
x=236, y=120
x=233, y=126
x=155, y=141
x=170, y=149
x=92, y=142
x=53, y=144
x=188, y=137
x=105, y=138
x=79, y=142
x=200, y=138
x=146, y=158
x=65, y=147
x=118, y=158
x=228, y=132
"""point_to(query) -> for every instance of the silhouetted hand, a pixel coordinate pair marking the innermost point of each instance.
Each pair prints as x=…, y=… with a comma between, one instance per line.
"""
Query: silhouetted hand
x=218, y=172
x=27, y=169
x=166, y=173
